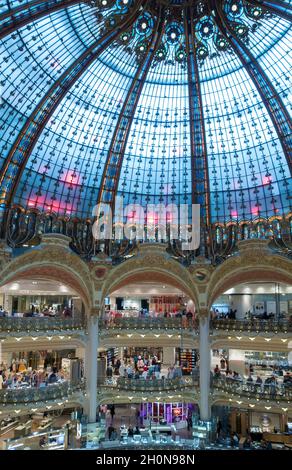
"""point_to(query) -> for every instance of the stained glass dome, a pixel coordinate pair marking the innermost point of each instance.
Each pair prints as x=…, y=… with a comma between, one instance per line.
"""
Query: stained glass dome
x=166, y=101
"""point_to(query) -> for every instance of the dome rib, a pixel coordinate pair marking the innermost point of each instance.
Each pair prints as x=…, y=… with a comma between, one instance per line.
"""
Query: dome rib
x=19, y=154
x=272, y=101
x=110, y=179
x=279, y=8
x=199, y=161
x=22, y=15
x=201, y=117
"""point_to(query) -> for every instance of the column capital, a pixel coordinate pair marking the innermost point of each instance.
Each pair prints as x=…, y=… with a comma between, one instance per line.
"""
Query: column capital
x=203, y=313
x=95, y=312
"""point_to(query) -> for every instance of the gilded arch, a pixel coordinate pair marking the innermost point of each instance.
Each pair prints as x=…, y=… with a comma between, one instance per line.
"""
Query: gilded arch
x=51, y=262
x=151, y=266
x=256, y=262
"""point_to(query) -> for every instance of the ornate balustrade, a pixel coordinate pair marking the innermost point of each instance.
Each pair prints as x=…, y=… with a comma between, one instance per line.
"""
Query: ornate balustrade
x=31, y=394
x=40, y=324
x=274, y=392
x=259, y=326
x=26, y=226
x=145, y=385
x=148, y=323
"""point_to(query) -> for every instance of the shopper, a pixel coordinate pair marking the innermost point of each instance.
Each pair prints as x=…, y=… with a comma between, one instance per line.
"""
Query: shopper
x=117, y=366
x=112, y=412
x=130, y=431
x=234, y=441
x=219, y=428
x=42, y=441
x=137, y=416
x=53, y=377
x=114, y=435
x=217, y=371
x=190, y=422
x=110, y=431
x=122, y=370
x=130, y=372
x=109, y=371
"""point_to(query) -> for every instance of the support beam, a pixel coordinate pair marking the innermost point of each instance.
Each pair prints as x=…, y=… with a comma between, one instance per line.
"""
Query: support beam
x=16, y=18
x=19, y=154
x=277, y=7
x=271, y=99
x=114, y=161
x=205, y=360
x=199, y=160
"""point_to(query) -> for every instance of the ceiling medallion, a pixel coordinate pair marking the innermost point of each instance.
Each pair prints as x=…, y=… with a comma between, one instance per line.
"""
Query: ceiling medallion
x=204, y=30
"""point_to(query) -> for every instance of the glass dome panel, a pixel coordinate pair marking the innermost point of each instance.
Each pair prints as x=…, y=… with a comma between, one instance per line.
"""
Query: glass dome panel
x=248, y=169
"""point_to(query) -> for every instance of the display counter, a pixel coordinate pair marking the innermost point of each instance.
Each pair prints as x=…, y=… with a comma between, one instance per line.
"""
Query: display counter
x=94, y=434
x=23, y=429
x=278, y=438
x=45, y=424
x=200, y=432
x=8, y=425
x=53, y=440
x=163, y=428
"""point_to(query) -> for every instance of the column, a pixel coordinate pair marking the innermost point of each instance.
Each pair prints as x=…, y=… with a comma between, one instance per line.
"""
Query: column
x=168, y=356
x=205, y=356
x=7, y=300
x=277, y=299
x=91, y=368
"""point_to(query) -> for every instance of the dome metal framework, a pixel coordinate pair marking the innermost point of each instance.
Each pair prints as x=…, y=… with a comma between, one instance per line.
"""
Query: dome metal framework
x=158, y=101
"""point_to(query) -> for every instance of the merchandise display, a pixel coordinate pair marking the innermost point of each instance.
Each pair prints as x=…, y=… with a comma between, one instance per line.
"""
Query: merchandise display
x=187, y=359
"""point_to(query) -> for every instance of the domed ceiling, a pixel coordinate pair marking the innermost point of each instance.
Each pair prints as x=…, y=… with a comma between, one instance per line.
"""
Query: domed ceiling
x=157, y=101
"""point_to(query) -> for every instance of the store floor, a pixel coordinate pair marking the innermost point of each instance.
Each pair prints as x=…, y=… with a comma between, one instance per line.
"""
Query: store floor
x=125, y=415
x=30, y=441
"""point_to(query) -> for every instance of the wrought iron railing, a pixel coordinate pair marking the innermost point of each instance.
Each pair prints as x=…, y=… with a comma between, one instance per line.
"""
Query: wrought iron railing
x=276, y=392
x=22, y=395
x=141, y=384
x=22, y=226
x=39, y=324
x=148, y=323
x=264, y=326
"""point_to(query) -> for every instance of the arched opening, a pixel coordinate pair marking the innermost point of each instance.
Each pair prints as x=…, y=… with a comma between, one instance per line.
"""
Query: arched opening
x=252, y=274
x=254, y=360
x=41, y=358
x=40, y=297
x=254, y=300
x=172, y=276
x=54, y=274
x=149, y=309
x=146, y=295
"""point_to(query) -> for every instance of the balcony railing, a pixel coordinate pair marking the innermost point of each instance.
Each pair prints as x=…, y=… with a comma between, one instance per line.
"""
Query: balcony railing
x=264, y=326
x=38, y=324
x=274, y=392
x=141, y=384
x=23, y=227
x=31, y=394
x=148, y=323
